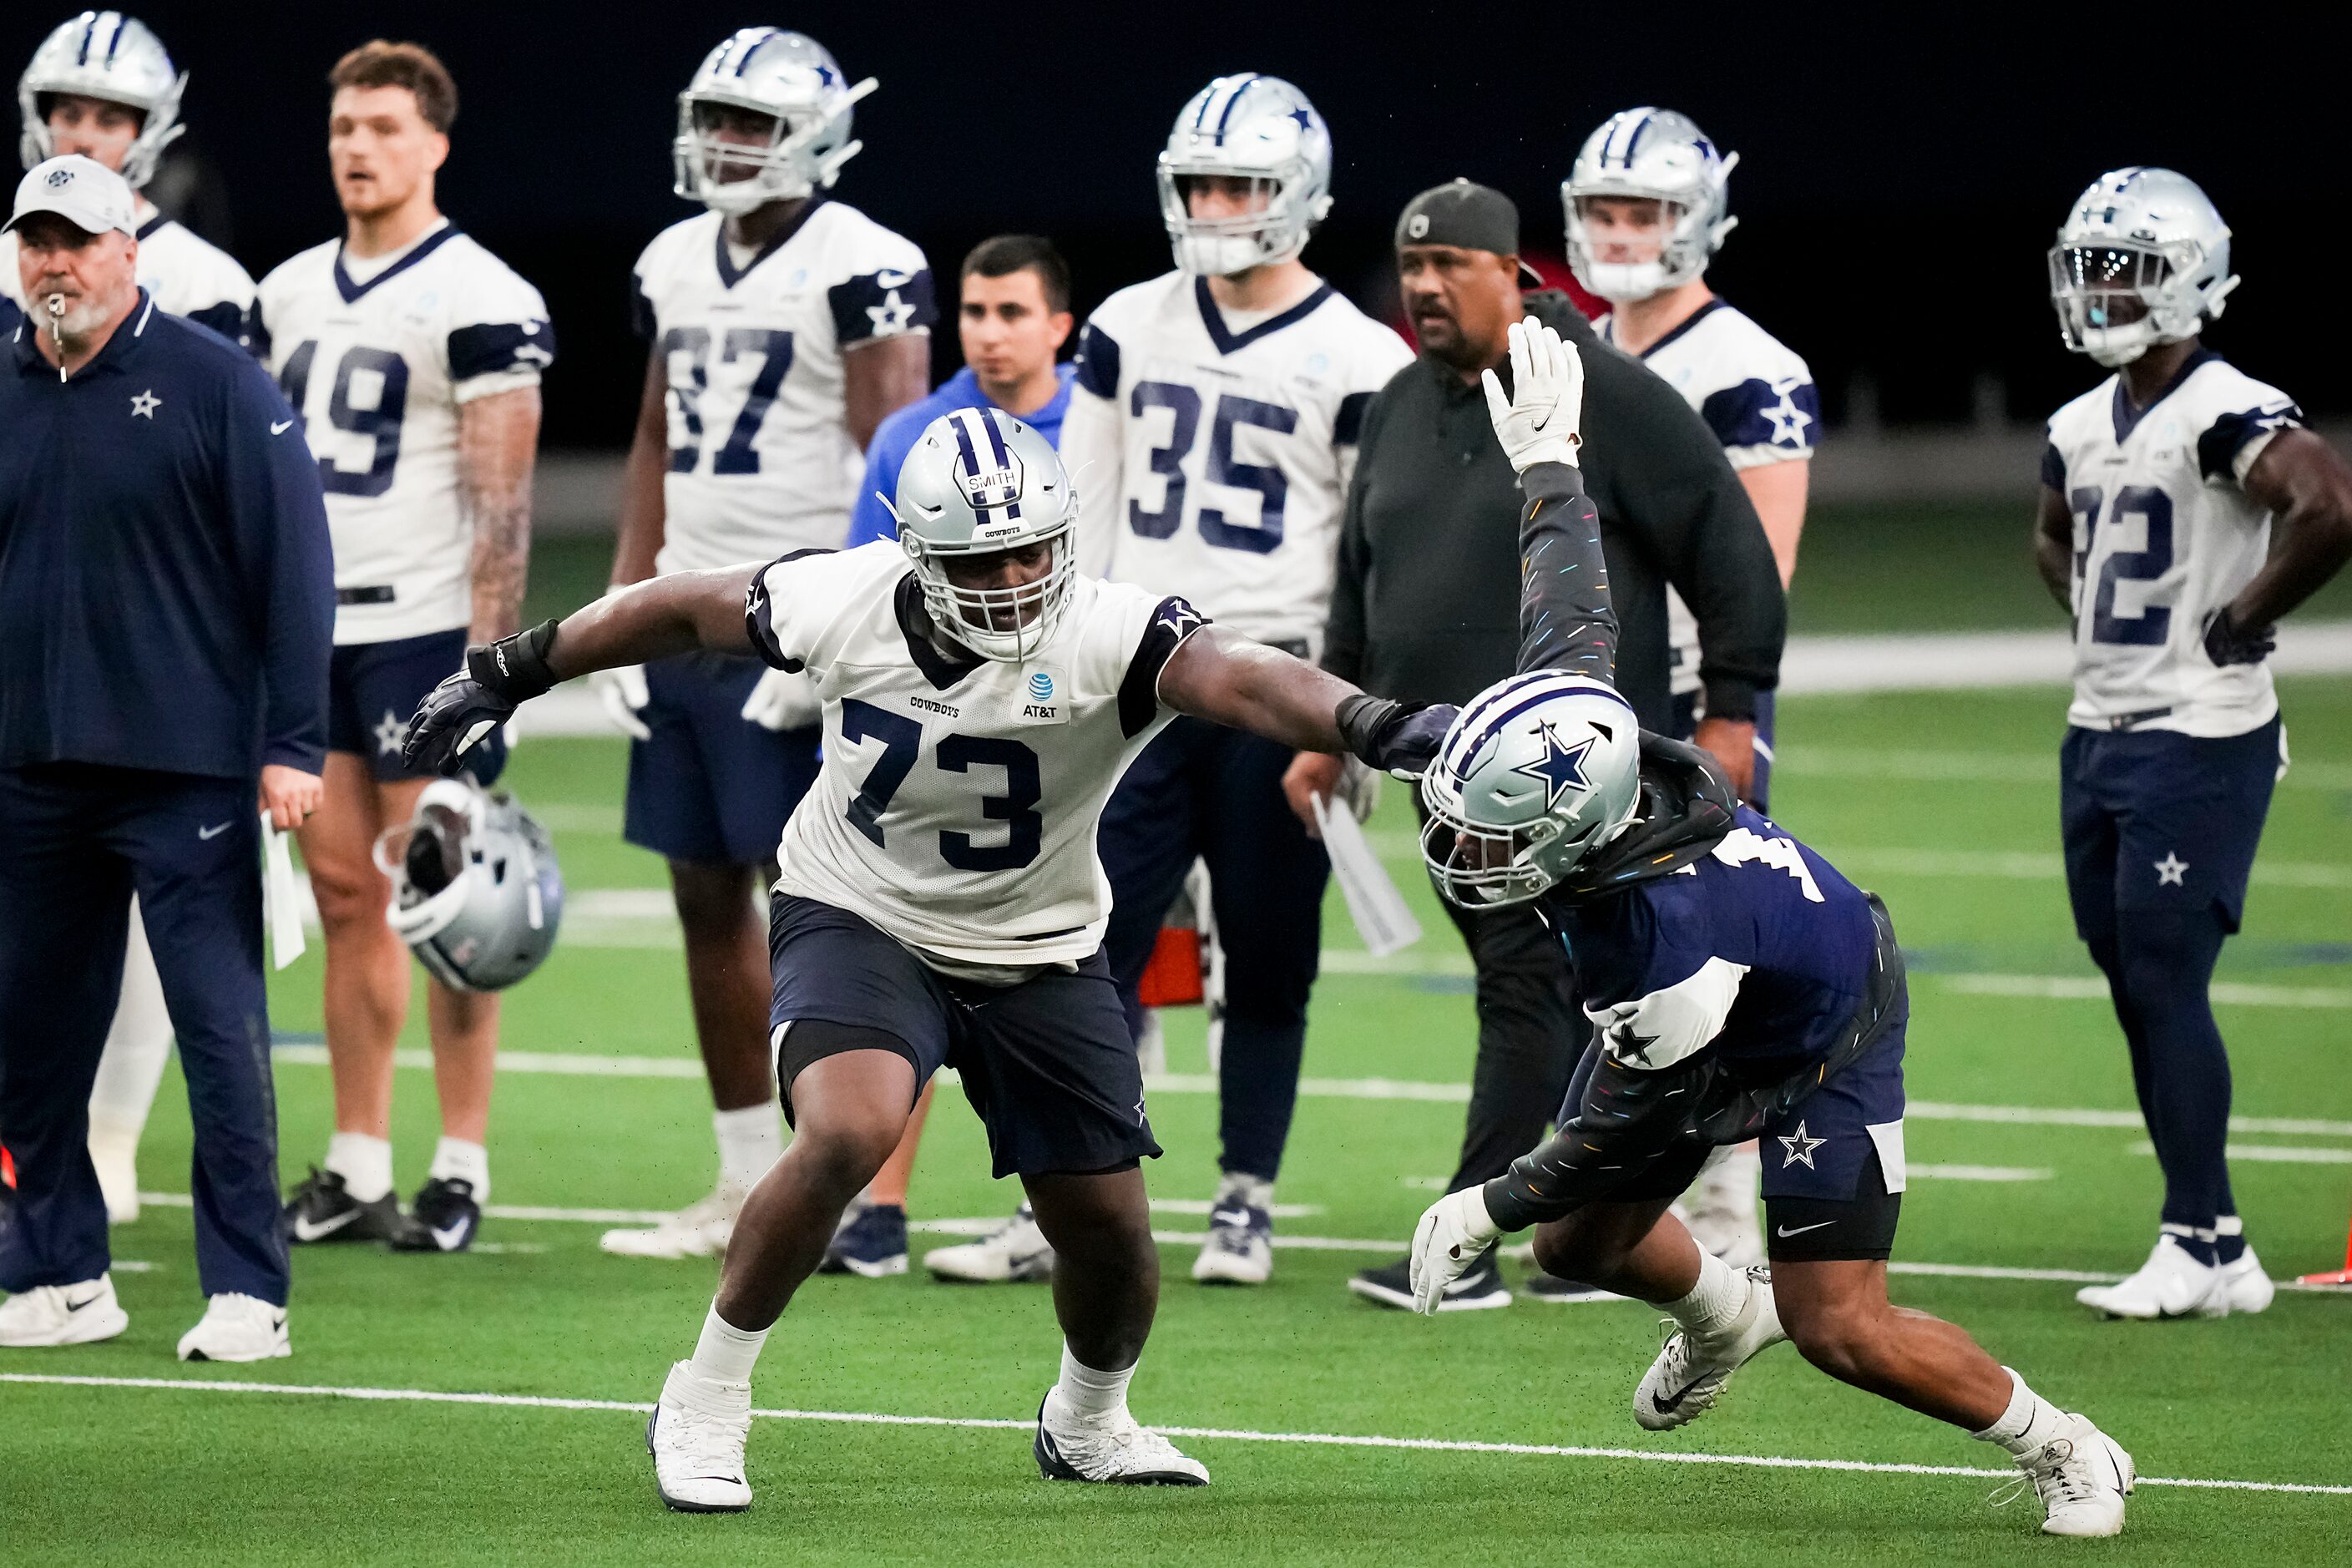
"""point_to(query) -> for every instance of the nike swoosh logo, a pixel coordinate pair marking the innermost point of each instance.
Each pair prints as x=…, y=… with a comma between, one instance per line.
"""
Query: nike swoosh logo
x=1667, y=1406
x=1239, y=1218
x=281, y=427
x=1784, y=1231
x=450, y=1238
x=209, y=834
x=304, y=1230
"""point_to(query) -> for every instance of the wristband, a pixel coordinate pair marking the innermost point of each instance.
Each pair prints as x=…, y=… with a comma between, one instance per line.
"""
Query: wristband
x=515, y=669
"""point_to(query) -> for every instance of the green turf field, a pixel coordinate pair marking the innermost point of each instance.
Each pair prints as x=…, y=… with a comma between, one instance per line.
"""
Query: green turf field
x=1946, y=804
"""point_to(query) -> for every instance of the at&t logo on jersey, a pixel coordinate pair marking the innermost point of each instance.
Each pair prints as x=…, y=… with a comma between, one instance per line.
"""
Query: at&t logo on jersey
x=1042, y=698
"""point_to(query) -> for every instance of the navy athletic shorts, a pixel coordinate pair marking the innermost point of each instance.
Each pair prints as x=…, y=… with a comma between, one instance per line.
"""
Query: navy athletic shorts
x=2159, y=820
x=711, y=786
x=372, y=690
x=1048, y=1064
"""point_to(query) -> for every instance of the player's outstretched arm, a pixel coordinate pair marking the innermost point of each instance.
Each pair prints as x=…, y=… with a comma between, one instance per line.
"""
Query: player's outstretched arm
x=2308, y=489
x=1227, y=679
x=1566, y=620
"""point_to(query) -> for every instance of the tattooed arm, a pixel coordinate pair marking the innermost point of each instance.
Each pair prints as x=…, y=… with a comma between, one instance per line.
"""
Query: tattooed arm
x=498, y=444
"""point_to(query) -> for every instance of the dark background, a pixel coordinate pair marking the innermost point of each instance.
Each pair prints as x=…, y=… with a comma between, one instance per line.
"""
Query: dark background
x=1899, y=181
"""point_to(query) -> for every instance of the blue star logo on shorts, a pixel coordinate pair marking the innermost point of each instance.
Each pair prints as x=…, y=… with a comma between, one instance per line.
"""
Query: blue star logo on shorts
x=1560, y=768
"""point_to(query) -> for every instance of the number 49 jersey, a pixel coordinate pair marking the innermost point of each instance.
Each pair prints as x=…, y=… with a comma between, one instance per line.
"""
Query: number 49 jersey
x=376, y=359
x=2165, y=535
x=761, y=458
x=958, y=802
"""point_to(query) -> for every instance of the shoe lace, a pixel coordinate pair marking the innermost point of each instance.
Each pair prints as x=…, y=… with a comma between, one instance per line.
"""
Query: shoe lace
x=709, y=1441
x=2049, y=1472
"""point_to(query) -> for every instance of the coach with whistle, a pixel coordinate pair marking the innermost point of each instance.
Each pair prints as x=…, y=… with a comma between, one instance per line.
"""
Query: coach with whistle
x=166, y=603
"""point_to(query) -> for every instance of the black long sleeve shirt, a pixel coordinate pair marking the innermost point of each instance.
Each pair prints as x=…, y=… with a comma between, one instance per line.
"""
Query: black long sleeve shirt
x=1425, y=607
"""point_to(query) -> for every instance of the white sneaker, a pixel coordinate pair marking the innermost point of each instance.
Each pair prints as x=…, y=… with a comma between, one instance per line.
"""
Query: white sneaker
x=2249, y=1289
x=696, y=1435
x=1239, y=1249
x=1690, y=1374
x=1013, y=1252
x=237, y=1328
x=117, y=1159
x=78, y=1314
x=2171, y=1284
x=2082, y=1477
x=1114, y=1448
x=700, y=1230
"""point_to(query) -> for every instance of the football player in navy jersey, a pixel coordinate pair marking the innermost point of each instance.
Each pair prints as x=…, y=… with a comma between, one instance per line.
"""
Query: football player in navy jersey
x=2184, y=509
x=1738, y=986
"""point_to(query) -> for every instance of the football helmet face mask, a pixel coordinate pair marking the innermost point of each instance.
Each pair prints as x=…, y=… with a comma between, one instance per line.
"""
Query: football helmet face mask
x=980, y=482
x=791, y=81
x=477, y=894
x=1256, y=128
x=1537, y=774
x=110, y=55
x=1654, y=154
x=2142, y=259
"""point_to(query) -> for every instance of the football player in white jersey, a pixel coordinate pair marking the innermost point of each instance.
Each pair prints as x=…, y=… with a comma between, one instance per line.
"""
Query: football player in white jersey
x=2184, y=509
x=784, y=326
x=941, y=899
x=1647, y=207
x=414, y=356
x=1214, y=424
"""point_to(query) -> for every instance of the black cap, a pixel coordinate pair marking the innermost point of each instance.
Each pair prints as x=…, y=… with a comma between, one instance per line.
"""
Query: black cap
x=1472, y=216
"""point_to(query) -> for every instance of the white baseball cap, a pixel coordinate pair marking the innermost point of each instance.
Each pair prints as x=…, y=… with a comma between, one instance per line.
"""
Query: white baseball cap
x=82, y=191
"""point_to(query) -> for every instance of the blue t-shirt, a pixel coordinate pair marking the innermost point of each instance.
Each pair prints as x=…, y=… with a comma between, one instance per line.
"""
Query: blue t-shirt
x=896, y=435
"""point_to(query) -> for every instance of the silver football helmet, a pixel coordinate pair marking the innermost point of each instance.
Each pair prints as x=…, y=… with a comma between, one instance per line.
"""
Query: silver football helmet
x=477, y=894
x=788, y=77
x=2143, y=259
x=104, y=53
x=1537, y=774
x=1661, y=156
x=1260, y=129
x=979, y=481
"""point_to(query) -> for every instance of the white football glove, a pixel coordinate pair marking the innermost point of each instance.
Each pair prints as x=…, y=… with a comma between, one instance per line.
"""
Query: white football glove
x=783, y=699
x=1360, y=787
x=1539, y=422
x=622, y=690
x=1453, y=1233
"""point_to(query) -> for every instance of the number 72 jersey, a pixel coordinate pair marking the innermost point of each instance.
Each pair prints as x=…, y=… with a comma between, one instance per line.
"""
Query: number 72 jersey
x=2165, y=535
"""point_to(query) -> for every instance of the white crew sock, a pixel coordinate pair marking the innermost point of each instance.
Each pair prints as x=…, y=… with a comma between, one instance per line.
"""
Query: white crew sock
x=1714, y=1303
x=1088, y=1394
x=2030, y=1421
x=749, y=1141
x=364, y=1163
x=1240, y=1187
x=455, y=1160
x=725, y=1354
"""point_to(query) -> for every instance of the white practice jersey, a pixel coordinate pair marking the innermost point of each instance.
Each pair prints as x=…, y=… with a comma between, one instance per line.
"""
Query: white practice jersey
x=1212, y=455
x=376, y=359
x=957, y=806
x=761, y=458
x=1758, y=397
x=186, y=275
x=2165, y=535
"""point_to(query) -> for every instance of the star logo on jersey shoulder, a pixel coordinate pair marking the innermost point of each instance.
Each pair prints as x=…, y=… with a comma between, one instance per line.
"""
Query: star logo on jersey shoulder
x=1787, y=419
x=1560, y=768
x=2171, y=871
x=389, y=734
x=1799, y=1149
x=144, y=406
x=1180, y=619
x=1629, y=1047
x=891, y=316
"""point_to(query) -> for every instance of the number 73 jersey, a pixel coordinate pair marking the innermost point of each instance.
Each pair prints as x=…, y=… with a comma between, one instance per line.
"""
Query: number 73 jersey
x=2165, y=535
x=958, y=802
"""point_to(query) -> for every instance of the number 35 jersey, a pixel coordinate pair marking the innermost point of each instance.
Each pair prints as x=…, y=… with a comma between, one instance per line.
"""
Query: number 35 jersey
x=1212, y=453
x=761, y=458
x=958, y=802
x=2165, y=535
x=376, y=357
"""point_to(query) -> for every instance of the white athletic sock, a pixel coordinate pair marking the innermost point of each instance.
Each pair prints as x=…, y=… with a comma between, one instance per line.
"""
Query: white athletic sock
x=2030, y=1421
x=1240, y=1186
x=1088, y=1394
x=749, y=1141
x=455, y=1160
x=364, y=1163
x=725, y=1353
x=1714, y=1303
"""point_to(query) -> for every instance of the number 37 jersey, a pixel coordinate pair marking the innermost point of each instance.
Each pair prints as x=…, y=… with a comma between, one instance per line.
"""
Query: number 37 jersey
x=957, y=803
x=2165, y=535
x=376, y=357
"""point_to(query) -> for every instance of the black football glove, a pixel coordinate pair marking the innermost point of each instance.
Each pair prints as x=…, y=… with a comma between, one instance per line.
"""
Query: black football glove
x=499, y=678
x=2226, y=642
x=1401, y=738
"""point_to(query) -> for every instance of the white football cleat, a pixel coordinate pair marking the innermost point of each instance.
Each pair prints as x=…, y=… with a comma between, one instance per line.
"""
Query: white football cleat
x=1690, y=1374
x=2171, y=1284
x=1115, y=1449
x=1720, y=1210
x=2082, y=1477
x=76, y=1314
x=696, y=1435
x=2249, y=1289
x=237, y=1328
x=116, y=1155
x=700, y=1230
x=1239, y=1248
x=1014, y=1252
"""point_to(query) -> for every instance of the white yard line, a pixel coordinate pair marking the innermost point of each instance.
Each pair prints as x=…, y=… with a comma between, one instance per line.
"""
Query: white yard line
x=2268, y=1153
x=2091, y=988
x=1225, y=1434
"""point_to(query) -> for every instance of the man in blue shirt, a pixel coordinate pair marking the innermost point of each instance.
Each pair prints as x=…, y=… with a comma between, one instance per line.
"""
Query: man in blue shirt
x=166, y=602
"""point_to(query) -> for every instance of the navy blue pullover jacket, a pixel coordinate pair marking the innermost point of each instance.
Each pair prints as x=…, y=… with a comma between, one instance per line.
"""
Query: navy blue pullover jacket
x=167, y=591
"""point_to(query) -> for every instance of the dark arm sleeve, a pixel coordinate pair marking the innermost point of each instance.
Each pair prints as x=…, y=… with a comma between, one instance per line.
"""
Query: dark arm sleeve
x=1566, y=621
x=279, y=518
x=1343, y=631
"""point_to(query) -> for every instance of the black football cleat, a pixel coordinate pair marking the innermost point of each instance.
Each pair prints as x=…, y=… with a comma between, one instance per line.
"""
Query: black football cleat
x=322, y=1209
x=443, y=1218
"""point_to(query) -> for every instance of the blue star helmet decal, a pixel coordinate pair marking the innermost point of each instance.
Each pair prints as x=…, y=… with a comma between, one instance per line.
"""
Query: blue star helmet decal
x=1561, y=769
